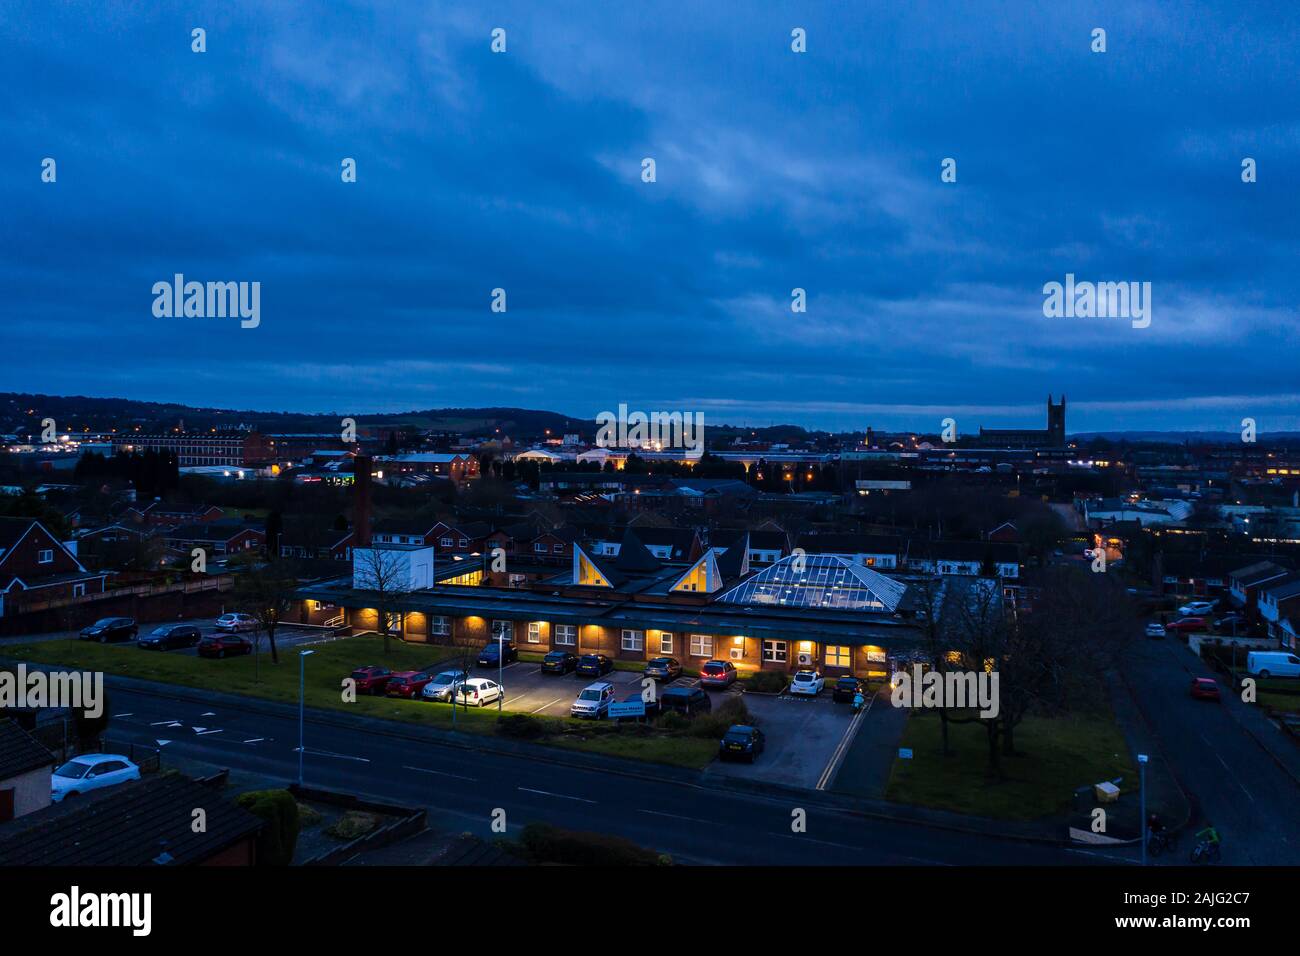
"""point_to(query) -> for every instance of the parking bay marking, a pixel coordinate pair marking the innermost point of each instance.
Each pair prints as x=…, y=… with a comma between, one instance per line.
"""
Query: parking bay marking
x=544, y=706
x=561, y=796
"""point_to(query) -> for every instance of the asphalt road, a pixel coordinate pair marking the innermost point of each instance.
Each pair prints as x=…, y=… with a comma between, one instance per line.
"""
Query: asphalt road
x=1233, y=781
x=463, y=788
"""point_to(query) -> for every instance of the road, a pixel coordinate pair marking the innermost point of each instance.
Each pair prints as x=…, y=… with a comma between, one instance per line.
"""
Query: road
x=1233, y=781
x=462, y=788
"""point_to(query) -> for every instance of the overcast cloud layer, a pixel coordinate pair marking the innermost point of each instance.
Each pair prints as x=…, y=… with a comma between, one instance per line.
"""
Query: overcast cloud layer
x=775, y=170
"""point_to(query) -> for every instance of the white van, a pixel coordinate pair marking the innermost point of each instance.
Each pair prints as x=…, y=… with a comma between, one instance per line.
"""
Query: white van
x=1272, y=664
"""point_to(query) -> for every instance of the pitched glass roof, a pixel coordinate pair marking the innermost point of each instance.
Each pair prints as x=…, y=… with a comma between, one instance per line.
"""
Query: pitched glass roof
x=818, y=580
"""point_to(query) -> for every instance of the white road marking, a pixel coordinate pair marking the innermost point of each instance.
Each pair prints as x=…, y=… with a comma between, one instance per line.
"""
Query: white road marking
x=124, y=715
x=544, y=706
x=255, y=740
x=441, y=773
x=169, y=723
x=660, y=813
x=326, y=753
x=162, y=743
x=208, y=714
x=204, y=732
x=561, y=796
x=850, y=734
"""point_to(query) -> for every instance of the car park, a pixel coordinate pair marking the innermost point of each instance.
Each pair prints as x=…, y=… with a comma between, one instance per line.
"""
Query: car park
x=1272, y=664
x=718, y=674
x=593, y=701
x=371, y=679
x=1155, y=629
x=663, y=668
x=741, y=742
x=224, y=645
x=559, y=662
x=236, y=622
x=498, y=654
x=110, y=629
x=168, y=636
x=685, y=700
x=440, y=685
x=807, y=683
x=594, y=665
x=479, y=692
x=1204, y=688
x=1187, y=625
x=1196, y=608
x=408, y=684
x=846, y=688
x=89, y=772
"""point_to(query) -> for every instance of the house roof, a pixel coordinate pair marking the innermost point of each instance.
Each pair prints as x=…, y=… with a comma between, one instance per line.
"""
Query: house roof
x=840, y=543
x=1256, y=573
x=19, y=751
x=1282, y=588
x=210, y=531
x=128, y=825
x=12, y=531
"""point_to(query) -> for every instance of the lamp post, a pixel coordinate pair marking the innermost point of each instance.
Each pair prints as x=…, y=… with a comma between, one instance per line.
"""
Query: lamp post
x=501, y=653
x=1142, y=790
x=302, y=696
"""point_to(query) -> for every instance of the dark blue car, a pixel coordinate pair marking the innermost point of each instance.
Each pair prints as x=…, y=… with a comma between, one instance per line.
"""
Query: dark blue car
x=498, y=654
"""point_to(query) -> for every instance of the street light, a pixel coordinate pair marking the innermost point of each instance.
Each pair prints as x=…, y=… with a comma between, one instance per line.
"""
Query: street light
x=1142, y=790
x=302, y=696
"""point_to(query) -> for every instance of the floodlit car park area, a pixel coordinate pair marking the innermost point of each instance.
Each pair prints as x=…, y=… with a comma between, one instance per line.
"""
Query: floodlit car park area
x=286, y=635
x=530, y=691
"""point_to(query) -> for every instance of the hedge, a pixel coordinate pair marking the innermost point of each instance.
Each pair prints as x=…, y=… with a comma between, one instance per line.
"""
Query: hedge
x=276, y=842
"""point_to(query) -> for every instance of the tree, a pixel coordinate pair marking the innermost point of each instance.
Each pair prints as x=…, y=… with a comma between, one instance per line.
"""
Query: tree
x=385, y=575
x=266, y=593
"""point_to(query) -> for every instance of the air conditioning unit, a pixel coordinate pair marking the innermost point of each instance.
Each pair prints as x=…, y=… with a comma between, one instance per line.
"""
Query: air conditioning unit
x=737, y=653
x=805, y=660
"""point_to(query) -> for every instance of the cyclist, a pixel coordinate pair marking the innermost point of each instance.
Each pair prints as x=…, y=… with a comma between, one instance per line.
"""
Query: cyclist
x=1209, y=836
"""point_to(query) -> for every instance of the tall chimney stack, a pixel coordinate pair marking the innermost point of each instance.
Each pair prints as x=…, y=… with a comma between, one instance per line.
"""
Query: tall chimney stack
x=361, y=501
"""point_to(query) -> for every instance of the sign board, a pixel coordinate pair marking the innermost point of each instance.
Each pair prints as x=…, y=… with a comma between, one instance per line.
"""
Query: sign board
x=627, y=708
x=904, y=753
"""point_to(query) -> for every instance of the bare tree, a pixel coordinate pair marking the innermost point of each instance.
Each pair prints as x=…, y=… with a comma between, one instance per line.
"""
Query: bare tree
x=266, y=593
x=385, y=575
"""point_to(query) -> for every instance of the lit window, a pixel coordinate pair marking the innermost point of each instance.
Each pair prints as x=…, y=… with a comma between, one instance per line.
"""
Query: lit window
x=838, y=655
x=776, y=652
x=534, y=633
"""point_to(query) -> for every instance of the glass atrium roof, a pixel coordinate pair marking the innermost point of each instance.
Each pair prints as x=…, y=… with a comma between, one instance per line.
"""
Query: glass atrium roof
x=818, y=580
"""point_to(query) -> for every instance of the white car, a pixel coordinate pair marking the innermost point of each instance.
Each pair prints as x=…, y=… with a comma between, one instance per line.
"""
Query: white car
x=810, y=683
x=478, y=692
x=236, y=622
x=593, y=701
x=1155, y=629
x=1196, y=608
x=440, y=687
x=91, y=772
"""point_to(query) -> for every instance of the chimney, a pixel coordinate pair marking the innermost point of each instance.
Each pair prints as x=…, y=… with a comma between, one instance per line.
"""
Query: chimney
x=361, y=501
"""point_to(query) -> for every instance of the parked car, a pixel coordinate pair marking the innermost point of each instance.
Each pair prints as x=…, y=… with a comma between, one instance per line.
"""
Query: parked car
x=663, y=668
x=1196, y=608
x=170, y=635
x=559, y=662
x=479, y=692
x=408, y=684
x=439, y=687
x=718, y=674
x=90, y=772
x=498, y=654
x=1231, y=623
x=593, y=701
x=1187, y=625
x=371, y=679
x=741, y=742
x=1205, y=688
x=685, y=700
x=594, y=665
x=1272, y=664
x=110, y=629
x=846, y=688
x=1155, y=629
x=807, y=683
x=235, y=622
x=224, y=645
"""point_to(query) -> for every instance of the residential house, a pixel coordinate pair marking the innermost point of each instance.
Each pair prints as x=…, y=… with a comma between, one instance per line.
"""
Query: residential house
x=36, y=566
x=1279, y=600
x=25, y=768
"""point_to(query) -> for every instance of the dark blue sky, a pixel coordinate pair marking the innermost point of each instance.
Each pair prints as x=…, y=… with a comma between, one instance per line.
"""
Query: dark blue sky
x=775, y=170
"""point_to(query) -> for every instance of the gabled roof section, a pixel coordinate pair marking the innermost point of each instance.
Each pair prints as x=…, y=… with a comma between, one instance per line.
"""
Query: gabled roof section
x=590, y=570
x=19, y=751
x=818, y=580
x=734, y=562
x=634, y=557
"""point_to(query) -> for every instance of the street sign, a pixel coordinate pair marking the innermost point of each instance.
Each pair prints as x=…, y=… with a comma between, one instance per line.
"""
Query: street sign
x=905, y=753
x=628, y=708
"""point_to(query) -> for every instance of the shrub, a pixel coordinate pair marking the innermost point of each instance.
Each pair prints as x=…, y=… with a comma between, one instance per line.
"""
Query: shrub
x=352, y=824
x=766, y=682
x=543, y=843
x=715, y=723
x=675, y=721
x=276, y=842
x=521, y=727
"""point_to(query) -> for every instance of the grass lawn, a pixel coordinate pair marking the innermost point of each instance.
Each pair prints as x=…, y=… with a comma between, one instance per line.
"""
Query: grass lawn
x=326, y=668
x=1281, y=703
x=1056, y=757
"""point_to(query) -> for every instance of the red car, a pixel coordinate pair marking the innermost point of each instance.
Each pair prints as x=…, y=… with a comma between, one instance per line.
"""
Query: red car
x=224, y=645
x=407, y=684
x=371, y=679
x=1187, y=625
x=1204, y=688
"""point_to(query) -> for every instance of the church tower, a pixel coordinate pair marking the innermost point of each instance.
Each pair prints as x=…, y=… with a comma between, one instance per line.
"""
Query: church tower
x=1056, y=422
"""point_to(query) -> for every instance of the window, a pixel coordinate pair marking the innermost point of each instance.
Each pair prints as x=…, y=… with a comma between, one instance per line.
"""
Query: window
x=464, y=542
x=776, y=652
x=45, y=556
x=445, y=542
x=440, y=626
x=503, y=630
x=838, y=655
x=634, y=640
x=558, y=548
x=566, y=635
x=78, y=590
x=701, y=645
x=534, y=633
x=665, y=642
x=539, y=547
